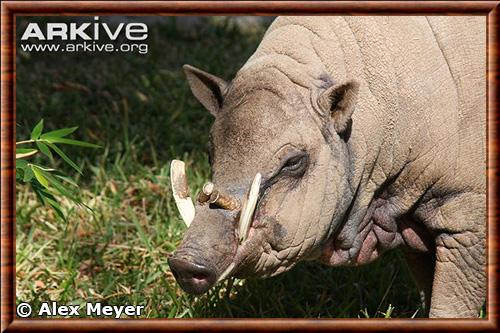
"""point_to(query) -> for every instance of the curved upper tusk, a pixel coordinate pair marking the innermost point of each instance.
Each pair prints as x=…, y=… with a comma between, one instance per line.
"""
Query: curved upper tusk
x=249, y=207
x=181, y=191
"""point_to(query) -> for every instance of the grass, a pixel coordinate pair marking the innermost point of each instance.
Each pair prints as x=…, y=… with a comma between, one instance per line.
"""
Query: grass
x=140, y=109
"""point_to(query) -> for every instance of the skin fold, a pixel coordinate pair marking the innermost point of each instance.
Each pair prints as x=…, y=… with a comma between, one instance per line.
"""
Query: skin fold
x=369, y=133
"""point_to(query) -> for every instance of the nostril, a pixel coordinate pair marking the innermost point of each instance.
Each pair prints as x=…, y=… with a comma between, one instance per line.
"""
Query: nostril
x=200, y=277
x=194, y=278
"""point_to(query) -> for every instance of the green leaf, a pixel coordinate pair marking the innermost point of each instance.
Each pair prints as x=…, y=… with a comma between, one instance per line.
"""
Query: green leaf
x=71, y=142
x=28, y=175
x=64, y=157
x=25, y=152
x=44, y=149
x=67, y=180
x=60, y=187
x=21, y=164
x=54, y=204
x=42, y=168
x=38, y=191
x=39, y=176
x=46, y=197
x=35, y=134
x=59, y=133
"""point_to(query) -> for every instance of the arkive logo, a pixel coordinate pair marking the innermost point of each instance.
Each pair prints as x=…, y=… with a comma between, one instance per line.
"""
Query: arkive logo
x=85, y=31
x=88, y=37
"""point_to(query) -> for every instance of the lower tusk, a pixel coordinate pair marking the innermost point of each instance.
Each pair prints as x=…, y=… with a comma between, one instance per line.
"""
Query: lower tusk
x=249, y=207
x=227, y=272
x=181, y=191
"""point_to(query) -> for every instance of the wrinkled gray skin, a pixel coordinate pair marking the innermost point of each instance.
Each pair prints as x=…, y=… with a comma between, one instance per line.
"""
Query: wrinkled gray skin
x=369, y=133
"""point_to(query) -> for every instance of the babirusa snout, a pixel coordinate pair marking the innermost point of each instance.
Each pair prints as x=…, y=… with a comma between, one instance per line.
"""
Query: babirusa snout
x=207, y=253
x=246, y=216
x=212, y=196
x=180, y=190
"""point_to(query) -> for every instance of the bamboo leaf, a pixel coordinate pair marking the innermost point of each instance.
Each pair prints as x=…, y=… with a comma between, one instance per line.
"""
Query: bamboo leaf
x=54, y=204
x=43, y=192
x=38, y=191
x=60, y=187
x=42, y=168
x=46, y=197
x=59, y=133
x=67, y=180
x=71, y=142
x=25, y=152
x=28, y=175
x=44, y=149
x=37, y=130
x=64, y=157
x=39, y=176
x=21, y=164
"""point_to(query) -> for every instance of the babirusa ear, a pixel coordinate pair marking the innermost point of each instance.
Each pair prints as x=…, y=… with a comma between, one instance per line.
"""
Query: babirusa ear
x=207, y=88
x=339, y=102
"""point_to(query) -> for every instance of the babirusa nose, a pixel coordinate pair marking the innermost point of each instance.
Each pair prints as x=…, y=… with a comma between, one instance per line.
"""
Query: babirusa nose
x=194, y=278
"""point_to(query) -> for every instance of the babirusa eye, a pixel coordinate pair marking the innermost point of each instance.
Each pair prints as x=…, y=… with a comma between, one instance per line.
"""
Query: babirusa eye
x=293, y=162
x=295, y=165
